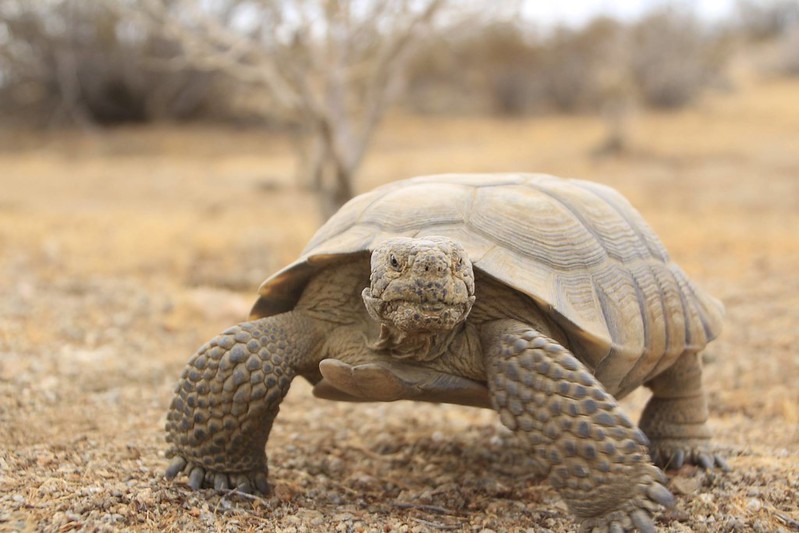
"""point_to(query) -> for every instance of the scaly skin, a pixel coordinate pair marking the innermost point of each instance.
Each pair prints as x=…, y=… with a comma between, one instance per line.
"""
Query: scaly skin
x=229, y=395
x=588, y=449
x=675, y=418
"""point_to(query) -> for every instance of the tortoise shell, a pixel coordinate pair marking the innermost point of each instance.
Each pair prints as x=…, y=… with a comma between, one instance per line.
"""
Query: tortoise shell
x=576, y=248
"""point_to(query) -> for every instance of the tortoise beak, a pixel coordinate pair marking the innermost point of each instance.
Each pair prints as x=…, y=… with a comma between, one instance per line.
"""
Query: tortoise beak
x=374, y=306
x=409, y=315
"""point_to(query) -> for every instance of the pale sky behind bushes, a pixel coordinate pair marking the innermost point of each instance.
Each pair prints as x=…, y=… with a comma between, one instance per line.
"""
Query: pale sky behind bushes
x=576, y=12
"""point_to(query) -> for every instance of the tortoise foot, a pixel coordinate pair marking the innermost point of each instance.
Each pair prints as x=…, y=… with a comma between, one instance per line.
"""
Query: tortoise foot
x=635, y=514
x=201, y=477
x=672, y=454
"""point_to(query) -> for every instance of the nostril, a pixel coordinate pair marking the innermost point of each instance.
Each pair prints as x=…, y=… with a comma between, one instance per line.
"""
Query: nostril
x=437, y=266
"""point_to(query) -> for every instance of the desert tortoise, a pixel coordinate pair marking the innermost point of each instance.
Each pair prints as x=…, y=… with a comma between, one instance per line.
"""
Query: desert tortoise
x=545, y=298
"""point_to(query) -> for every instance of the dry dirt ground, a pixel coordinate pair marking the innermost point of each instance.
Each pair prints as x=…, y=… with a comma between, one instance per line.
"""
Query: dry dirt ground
x=122, y=251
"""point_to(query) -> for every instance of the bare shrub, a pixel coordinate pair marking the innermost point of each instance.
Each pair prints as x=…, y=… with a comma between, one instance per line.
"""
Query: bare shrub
x=664, y=60
x=78, y=61
x=674, y=58
x=768, y=35
x=576, y=65
x=332, y=66
x=511, y=69
x=508, y=61
x=438, y=81
x=787, y=63
x=767, y=19
x=486, y=68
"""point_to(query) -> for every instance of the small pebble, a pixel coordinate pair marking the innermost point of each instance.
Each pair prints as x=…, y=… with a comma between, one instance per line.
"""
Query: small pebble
x=686, y=485
x=753, y=504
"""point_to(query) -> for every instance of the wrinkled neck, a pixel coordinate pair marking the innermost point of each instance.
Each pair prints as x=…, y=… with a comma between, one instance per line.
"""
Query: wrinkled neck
x=417, y=345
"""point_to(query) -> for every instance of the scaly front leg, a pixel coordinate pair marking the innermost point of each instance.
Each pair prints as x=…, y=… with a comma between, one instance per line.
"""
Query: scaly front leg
x=588, y=449
x=229, y=395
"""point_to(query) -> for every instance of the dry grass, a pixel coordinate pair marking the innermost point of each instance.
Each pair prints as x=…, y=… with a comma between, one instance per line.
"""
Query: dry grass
x=121, y=252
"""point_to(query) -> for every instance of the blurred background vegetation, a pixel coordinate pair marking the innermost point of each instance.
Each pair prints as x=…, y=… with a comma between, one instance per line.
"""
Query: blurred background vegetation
x=325, y=73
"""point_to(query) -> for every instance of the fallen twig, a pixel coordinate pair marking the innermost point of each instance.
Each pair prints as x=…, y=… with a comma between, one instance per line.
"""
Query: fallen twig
x=787, y=520
x=435, y=525
x=429, y=508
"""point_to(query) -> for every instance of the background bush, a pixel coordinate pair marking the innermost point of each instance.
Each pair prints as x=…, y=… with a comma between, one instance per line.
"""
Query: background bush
x=673, y=58
x=80, y=61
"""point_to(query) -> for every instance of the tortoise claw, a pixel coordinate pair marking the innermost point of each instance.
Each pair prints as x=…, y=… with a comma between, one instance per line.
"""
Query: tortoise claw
x=196, y=478
x=710, y=461
x=615, y=527
x=201, y=477
x=242, y=483
x=642, y=521
x=261, y=483
x=221, y=482
x=674, y=454
x=660, y=494
x=722, y=463
x=634, y=514
x=677, y=460
x=661, y=476
x=175, y=467
x=705, y=461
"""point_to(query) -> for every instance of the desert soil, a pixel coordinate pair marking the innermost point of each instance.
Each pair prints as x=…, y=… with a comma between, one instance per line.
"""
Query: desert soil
x=122, y=251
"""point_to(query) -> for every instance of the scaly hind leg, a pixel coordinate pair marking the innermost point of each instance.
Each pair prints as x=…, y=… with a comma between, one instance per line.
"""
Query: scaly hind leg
x=675, y=419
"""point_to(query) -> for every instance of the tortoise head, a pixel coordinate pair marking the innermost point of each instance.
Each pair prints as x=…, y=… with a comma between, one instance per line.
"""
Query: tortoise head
x=420, y=284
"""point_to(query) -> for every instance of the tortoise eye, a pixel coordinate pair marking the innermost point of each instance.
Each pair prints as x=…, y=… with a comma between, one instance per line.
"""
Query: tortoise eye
x=394, y=262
